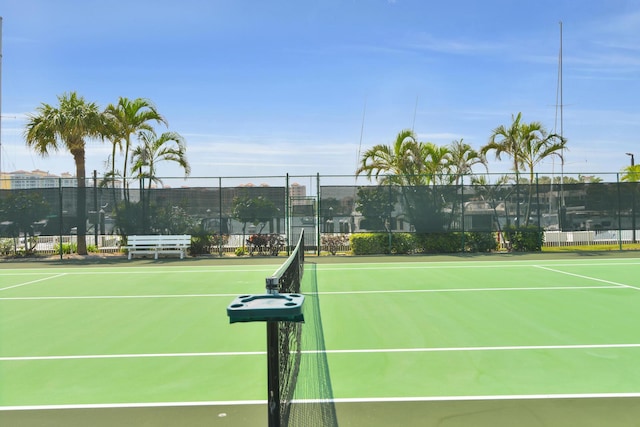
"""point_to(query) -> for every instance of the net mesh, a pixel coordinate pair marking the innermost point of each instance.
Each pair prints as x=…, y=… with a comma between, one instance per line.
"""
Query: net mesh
x=306, y=397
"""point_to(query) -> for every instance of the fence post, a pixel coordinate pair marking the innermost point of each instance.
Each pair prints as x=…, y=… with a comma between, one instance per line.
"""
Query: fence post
x=96, y=218
x=318, y=213
x=60, y=214
x=220, y=215
x=619, y=212
x=462, y=211
x=538, y=201
x=390, y=210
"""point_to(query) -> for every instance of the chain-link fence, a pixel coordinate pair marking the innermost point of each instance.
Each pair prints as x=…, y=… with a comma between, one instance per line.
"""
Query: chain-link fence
x=231, y=214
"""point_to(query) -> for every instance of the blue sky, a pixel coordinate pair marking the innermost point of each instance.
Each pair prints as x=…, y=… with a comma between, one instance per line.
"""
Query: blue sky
x=276, y=87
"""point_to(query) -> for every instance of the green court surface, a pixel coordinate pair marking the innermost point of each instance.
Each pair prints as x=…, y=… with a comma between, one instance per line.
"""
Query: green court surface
x=547, y=340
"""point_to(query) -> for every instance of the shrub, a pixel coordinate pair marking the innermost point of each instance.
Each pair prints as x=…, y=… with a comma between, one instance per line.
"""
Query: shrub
x=203, y=243
x=67, y=248
x=403, y=243
x=439, y=243
x=477, y=241
x=369, y=243
x=525, y=238
x=6, y=246
x=382, y=243
x=240, y=252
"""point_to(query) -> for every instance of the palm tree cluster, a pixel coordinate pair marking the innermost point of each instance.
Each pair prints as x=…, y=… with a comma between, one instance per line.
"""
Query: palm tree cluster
x=411, y=163
x=74, y=121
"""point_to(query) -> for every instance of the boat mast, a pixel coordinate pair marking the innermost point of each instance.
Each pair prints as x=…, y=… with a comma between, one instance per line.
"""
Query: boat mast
x=561, y=123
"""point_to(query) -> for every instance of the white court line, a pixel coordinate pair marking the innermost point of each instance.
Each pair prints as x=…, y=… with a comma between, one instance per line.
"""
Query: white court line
x=346, y=351
x=465, y=264
x=588, y=277
x=133, y=356
x=233, y=295
x=34, y=281
x=400, y=291
x=335, y=400
x=396, y=291
x=321, y=267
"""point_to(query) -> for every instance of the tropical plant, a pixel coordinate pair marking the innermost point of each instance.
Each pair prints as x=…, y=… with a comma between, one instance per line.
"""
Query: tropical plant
x=508, y=141
x=527, y=144
x=67, y=126
x=493, y=193
x=257, y=210
x=125, y=119
x=401, y=163
x=631, y=173
x=376, y=204
x=413, y=166
x=22, y=210
x=462, y=159
x=168, y=147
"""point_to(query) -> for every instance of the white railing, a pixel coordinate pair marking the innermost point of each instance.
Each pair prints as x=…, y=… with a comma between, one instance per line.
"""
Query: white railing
x=50, y=244
x=592, y=237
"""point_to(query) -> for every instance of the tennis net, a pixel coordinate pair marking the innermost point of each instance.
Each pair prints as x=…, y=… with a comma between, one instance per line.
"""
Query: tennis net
x=305, y=393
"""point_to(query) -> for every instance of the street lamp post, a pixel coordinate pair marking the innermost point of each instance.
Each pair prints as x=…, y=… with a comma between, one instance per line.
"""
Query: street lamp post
x=633, y=201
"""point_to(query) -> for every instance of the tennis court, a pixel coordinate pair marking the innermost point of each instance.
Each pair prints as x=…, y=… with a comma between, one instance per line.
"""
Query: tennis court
x=410, y=341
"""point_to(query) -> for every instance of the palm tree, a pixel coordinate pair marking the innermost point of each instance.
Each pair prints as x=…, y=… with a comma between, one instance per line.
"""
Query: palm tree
x=435, y=161
x=537, y=145
x=401, y=161
x=463, y=158
x=413, y=166
x=127, y=118
x=168, y=147
x=507, y=140
x=527, y=144
x=67, y=126
x=631, y=174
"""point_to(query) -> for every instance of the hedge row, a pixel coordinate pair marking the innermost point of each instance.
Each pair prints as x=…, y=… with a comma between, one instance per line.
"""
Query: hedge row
x=522, y=239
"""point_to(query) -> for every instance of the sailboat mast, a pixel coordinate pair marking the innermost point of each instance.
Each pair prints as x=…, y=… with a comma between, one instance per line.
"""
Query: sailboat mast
x=561, y=121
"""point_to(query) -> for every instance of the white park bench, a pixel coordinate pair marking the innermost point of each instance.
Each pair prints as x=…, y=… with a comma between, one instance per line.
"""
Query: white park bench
x=158, y=245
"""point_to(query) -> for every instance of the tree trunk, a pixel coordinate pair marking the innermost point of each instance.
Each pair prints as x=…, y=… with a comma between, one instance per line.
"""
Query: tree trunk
x=81, y=207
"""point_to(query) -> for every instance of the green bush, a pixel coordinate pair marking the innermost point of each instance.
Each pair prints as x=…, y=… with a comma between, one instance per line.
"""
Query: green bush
x=240, y=251
x=403, y=243
x=427, y=243
x=6, y=246
x=439, y=243
x=67, y=248
x=369, y=243
x=477, y=241
x=525, y=238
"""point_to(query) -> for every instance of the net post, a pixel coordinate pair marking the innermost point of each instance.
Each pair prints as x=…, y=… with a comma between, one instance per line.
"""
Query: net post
x=273, y=374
